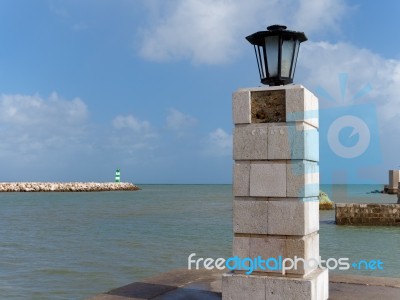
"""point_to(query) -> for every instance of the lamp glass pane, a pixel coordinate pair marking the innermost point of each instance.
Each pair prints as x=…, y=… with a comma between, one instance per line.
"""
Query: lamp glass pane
x=260, y=60
x=296, y=52
x=272, y=48
x=287, y=56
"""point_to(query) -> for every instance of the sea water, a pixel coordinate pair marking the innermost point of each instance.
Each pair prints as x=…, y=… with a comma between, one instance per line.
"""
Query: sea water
x=75, y=245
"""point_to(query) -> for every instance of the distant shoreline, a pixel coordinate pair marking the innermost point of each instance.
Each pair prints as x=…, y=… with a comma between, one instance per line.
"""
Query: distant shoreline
x=66, y=186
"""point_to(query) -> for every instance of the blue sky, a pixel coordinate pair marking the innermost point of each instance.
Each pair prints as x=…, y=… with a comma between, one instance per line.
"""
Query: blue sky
x=89, y=86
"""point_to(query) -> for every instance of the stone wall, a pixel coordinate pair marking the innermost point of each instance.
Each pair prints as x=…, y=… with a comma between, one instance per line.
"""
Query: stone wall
x=66, y=186
x=367, y=214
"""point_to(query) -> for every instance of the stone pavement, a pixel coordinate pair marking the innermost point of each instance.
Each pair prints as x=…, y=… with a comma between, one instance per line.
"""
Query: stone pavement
x=185, y=284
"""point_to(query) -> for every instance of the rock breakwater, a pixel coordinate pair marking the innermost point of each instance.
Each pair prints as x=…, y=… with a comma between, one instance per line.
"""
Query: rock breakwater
x=66, y=186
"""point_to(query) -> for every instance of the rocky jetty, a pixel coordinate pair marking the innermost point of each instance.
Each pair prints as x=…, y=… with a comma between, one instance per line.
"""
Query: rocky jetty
x=66, y=186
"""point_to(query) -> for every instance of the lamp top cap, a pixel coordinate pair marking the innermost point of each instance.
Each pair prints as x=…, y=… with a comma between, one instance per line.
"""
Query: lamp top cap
x=258, y=38
x=276, y=27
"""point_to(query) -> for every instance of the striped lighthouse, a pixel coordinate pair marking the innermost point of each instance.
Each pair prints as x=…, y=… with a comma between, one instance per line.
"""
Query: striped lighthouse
x=117, y=176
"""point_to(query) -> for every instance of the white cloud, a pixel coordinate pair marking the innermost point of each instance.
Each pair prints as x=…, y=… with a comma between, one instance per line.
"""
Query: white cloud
x=180, y=122
x=30, y=126
x=53, y=139
x=132, y=137
x=219, y=143
x=213, y=31
x=194, y=30
x=322, y=62
x=132, y=123
x=312, y=16
x=30, y=113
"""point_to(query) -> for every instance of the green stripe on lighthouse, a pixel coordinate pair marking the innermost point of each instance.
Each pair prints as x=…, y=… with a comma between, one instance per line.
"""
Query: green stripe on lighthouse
x=117, y=176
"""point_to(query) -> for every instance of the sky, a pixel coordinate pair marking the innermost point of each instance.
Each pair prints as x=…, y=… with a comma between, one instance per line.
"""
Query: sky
x=145, y=85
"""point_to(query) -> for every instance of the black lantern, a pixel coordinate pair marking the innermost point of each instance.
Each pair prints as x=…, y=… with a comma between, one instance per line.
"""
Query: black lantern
x=276, y=51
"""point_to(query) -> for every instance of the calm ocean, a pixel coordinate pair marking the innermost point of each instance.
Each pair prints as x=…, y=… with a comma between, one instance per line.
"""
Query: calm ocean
x=74, y=245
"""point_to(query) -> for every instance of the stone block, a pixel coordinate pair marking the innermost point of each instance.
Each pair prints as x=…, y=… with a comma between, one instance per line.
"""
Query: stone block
x=293, y=141
x=268, y=179
x=250, y=216
x=306, y=247
x=278, y=137
x=301, y=106
x=250, y=142
x=240, y=287
x=302, y=213
x=268, y=247
x=241, y=246
x=311, y=215
x=320, y=281
x=287, y=289
x=241, y=179
x=314, y=286
x=311, y=143
x=302, y=179
x=241, y=107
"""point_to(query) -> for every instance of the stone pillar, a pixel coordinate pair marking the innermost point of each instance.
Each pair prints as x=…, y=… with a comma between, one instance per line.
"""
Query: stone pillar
x=275, y=188
x=394, y=179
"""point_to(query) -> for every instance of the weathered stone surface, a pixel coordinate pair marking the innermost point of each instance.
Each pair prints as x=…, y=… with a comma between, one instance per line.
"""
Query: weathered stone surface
x=241, y=107
x=301, y=105
x=315, y=286
x=66, y=186
x=240, y=287
x=306, y=247
x=250, y=216
x=241, y=246
x=303, y=214
x=394, y=178
x=269, y=215
x=268, y=106
x=278, y=137
x=293, y=141
x=268, y=247
x=250, y=142
x=367, y=214
x=278, y=289
x=268, y=179
x=303, y=179
x=241, y=179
